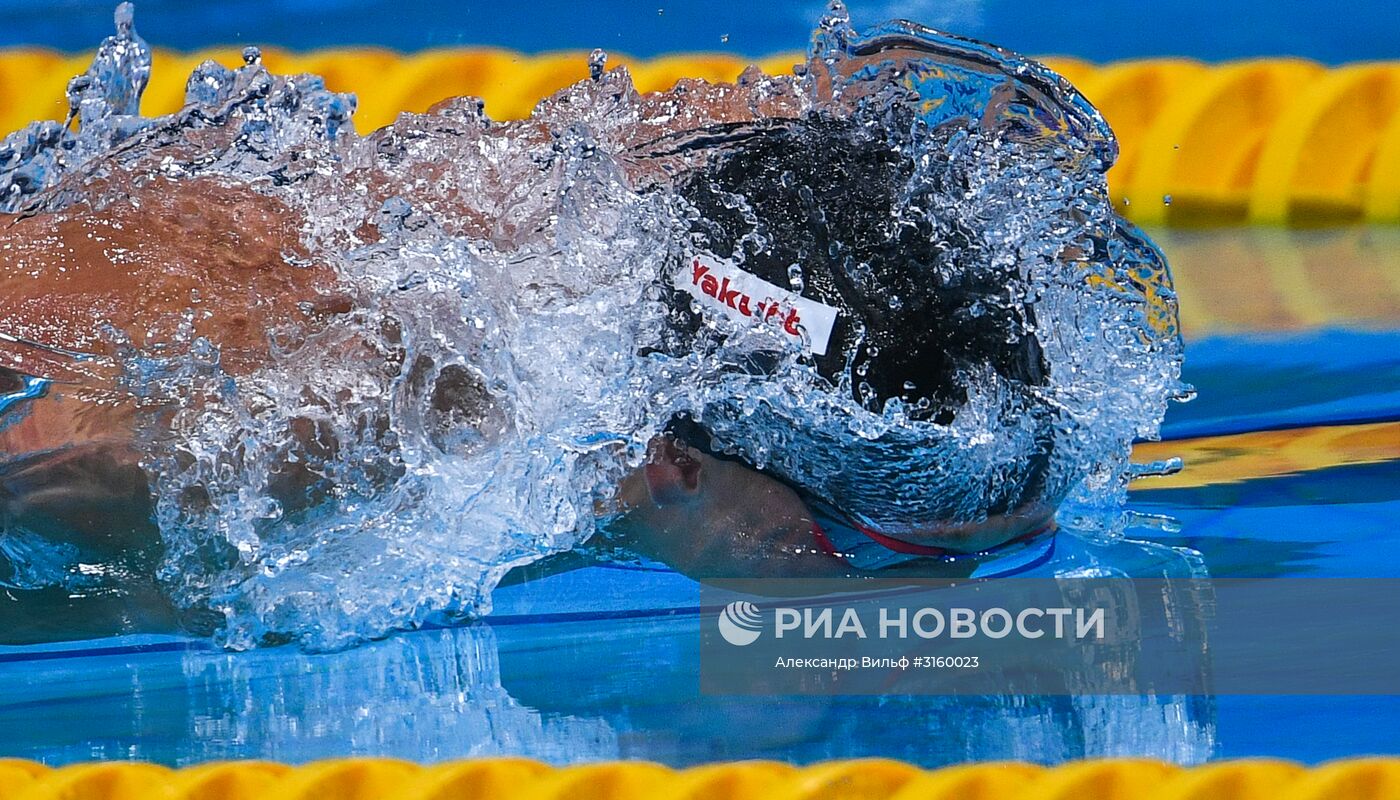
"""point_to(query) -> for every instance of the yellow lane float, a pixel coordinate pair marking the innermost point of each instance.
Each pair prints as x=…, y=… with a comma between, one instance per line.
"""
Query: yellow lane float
x=1277, y=141
x=863, y=779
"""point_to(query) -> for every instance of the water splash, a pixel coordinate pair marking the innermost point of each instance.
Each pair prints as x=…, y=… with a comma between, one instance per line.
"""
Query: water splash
x=1009, y=161
x=1156, y=469
x=112, y=86
x=597, y=63
x=260, y=120
x=105, y=101
x=506, y=353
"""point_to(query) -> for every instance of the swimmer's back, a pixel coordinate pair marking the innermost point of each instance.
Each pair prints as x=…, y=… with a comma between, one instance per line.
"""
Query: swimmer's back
x=76, y=279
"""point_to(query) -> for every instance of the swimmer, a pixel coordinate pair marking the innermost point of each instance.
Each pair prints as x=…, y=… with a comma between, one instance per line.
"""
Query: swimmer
x=825, y=195
x=72, y=464
x=888, y=315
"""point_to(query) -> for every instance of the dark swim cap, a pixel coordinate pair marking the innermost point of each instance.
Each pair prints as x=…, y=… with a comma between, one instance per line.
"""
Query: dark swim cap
x=908, y=226
x=894, y=310
x=889, y=306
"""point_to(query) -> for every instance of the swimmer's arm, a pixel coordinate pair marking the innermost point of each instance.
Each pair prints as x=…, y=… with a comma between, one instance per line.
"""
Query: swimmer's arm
x=92, y=495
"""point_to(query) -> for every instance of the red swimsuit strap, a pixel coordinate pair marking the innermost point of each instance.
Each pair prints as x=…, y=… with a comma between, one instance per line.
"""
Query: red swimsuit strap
x=899, y=545
x=823, y=541
x=910, y=548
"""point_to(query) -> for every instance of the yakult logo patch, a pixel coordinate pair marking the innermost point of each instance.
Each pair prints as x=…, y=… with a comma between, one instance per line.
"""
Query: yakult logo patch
x=740, y=296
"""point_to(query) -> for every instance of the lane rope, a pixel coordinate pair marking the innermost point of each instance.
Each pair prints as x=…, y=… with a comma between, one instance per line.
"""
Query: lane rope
x=861, y=779
x=1274, y=141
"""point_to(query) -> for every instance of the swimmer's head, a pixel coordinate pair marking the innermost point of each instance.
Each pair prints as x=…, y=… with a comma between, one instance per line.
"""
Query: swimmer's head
x=715, y=517
x=810, y=210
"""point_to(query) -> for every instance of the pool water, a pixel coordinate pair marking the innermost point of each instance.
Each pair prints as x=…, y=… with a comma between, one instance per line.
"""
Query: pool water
x=1293, y=469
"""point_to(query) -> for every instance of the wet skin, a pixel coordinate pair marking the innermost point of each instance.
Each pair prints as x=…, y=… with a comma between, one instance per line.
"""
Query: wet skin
x=715, y=518
x=215, y=255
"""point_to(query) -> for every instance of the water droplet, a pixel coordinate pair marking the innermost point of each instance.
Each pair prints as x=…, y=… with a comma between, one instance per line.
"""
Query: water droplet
x=1166, y=199
x=252, y=54
x=113, y=83
x=392, y=214
x=74, y=94
x=124, y=17
x=724, y=38
x=597, y=62
x=836, y=15
x=1156, y=469
x=795, y=277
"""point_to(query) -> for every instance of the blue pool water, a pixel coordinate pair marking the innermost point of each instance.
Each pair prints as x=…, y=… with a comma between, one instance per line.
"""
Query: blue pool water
x=602, y=661
x=1338, y=521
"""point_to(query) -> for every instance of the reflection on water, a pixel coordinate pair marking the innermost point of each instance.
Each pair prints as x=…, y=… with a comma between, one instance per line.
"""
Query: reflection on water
x=1268, y=279
x=434, y=695
x=591, y=688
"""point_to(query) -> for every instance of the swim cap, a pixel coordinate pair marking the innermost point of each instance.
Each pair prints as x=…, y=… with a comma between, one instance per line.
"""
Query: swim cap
x=801, y=223
x=978, y=330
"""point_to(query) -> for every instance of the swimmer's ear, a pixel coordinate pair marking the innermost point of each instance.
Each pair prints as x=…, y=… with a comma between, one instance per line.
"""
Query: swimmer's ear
x=672, y=472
